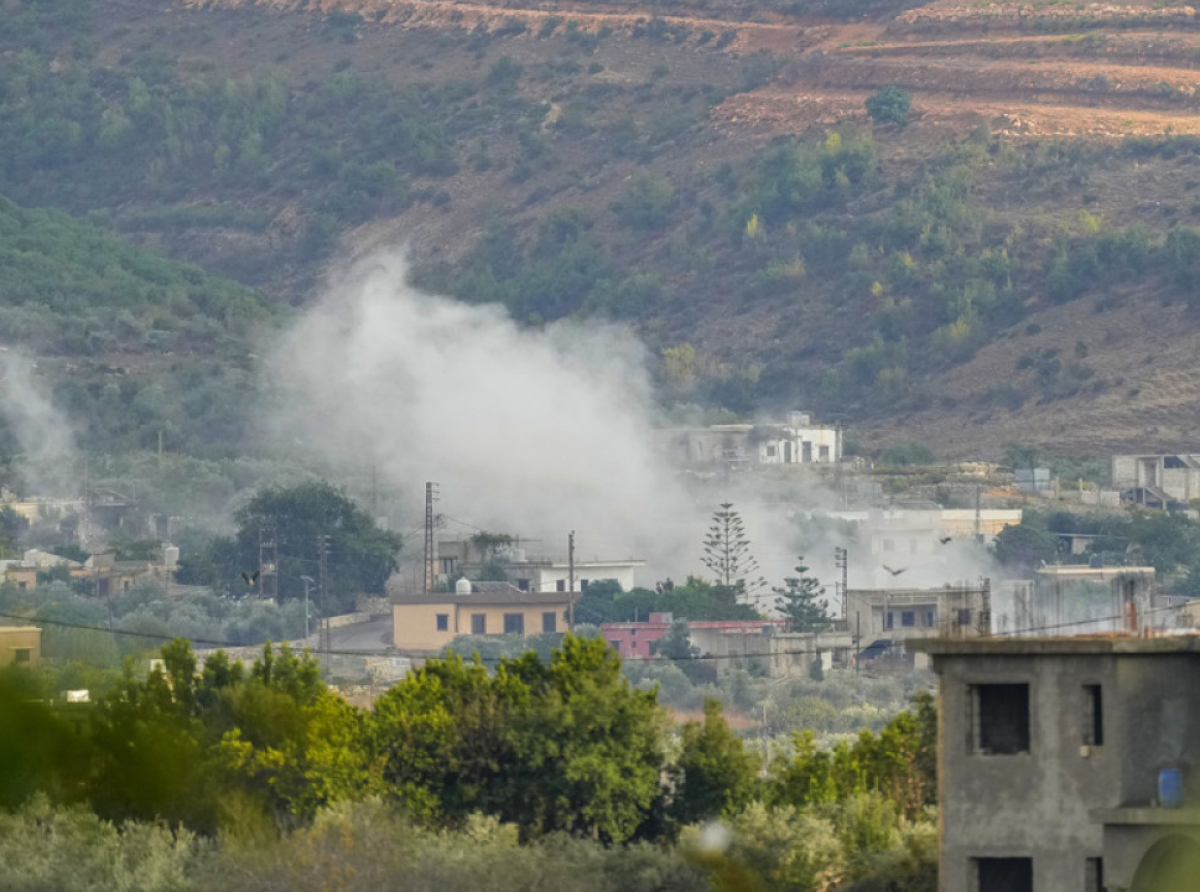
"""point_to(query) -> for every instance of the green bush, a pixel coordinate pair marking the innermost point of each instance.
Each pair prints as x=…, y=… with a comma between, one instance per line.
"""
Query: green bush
x=889, y=105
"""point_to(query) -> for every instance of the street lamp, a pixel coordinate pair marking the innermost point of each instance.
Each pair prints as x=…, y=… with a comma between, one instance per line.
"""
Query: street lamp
x=307, y=580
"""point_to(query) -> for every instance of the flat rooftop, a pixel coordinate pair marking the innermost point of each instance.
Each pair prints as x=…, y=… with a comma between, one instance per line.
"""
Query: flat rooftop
x=1082, y=645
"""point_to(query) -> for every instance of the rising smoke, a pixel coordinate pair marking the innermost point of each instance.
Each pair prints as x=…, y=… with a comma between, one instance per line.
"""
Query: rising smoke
x=530, y=432
x=43, y=432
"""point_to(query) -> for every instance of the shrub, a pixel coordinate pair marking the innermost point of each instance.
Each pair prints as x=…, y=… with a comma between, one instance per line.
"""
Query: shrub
x=889, y=105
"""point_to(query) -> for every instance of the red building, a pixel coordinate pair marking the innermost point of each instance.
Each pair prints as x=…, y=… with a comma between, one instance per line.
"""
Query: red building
x=633, y=640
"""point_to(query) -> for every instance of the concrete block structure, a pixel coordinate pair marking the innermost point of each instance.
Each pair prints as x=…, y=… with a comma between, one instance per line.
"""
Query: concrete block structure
x=1053, y=758
x=1157, y=481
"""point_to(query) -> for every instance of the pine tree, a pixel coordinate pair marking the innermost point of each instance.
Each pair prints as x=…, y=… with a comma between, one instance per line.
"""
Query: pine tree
x=727, y=552
x=800, y=600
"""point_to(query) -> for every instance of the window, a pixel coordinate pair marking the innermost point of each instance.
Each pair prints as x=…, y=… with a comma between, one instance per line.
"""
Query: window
x=889, y=621
x=560, y=585
x=448, y=565
x=824, y=453
x=1003, y=874
x=1093, y=875
x=770, y=450
x=523, y=584
x=478, y=623
x=583, y=584
x=23, y=654
x=908, y=618
x=549, y=622
x=999, y=719
x=514, y=624
x=23, y=586
x=1093, y=716
x=964, y=617
x=443, y=622
x=930, y=619
x=806, y=452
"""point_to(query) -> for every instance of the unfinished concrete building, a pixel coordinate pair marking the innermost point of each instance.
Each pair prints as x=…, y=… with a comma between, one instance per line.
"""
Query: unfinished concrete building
x=900, y=614
x=1068, y=763
x=1157, y=481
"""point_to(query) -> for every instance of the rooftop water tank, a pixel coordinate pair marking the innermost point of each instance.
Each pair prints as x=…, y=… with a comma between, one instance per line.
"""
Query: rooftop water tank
x=462, y=587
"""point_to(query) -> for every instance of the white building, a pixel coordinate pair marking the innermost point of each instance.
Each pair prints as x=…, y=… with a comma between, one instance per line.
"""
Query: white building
x=528, y=570
x=796, y=441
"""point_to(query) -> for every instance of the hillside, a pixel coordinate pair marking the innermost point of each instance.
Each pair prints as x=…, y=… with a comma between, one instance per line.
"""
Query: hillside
x=132, y=344
x=1015, y=264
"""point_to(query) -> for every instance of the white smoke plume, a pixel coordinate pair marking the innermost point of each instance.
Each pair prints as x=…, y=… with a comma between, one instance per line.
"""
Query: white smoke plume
x=44, y=433
x=531, y=432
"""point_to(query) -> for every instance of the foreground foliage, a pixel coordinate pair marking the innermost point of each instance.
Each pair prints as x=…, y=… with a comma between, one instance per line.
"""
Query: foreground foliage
x=551, y=774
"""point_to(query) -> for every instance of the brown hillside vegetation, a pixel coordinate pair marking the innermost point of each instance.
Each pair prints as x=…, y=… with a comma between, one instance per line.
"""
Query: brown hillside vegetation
x=1033, y=75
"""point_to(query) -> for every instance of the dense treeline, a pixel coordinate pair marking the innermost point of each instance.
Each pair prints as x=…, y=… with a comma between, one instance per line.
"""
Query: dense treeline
x=1168, y=542
x=553, y=749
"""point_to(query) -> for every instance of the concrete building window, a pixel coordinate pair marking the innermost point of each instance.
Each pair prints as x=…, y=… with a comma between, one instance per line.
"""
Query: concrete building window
x=478, y=623
x=514, y=624
x=770, y=450
x=523, y=584
x=806, y=452
x=443, y=622
x=999, y=719
x=908, y=618
x=824, y=453
x=550, y=622
x=560, y=585
x=448, y=566
x=964, y=617
x=889, y=621
x=930, y=620
x=1003, y=874
x=583, y=584
x=1093, y=716
x=1093, y=875
x=22, y=654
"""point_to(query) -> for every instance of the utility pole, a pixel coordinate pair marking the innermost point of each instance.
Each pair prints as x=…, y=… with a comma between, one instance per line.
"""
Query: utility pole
x=307, y=580
x=268, y=564
x=323, y=565
x=985, y=610
x=841, y=586
x=571, y=577
x=431, y=494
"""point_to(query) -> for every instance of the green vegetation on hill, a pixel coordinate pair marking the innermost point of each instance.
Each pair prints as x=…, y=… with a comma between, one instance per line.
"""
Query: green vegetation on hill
x=152, y=345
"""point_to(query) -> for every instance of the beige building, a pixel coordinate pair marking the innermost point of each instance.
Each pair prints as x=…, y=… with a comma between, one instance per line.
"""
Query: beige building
x=21, y=646
x=428, y=621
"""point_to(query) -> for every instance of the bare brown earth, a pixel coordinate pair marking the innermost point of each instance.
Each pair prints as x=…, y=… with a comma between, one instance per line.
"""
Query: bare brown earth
x=1096, y=72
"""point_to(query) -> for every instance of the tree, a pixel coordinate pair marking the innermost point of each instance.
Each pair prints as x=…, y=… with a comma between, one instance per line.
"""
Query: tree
x=716, y=774
x=361, y=556
x=676, y=644
x=564, y=745
x=1027, y=545
x=800, y=601
x=727, y=552
x=889, y=105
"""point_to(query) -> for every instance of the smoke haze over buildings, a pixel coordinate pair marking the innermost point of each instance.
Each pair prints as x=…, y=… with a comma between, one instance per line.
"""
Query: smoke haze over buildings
x=532, y=431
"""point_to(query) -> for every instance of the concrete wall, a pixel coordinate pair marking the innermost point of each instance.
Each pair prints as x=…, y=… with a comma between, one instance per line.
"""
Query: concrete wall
x=1032, y=804
x=1043, y=803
